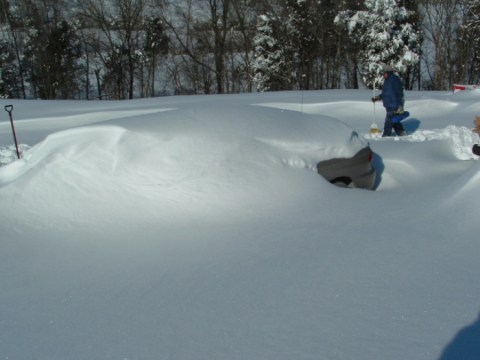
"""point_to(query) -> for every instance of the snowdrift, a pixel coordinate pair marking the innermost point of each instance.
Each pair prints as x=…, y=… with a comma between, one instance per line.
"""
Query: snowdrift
x=197, y=228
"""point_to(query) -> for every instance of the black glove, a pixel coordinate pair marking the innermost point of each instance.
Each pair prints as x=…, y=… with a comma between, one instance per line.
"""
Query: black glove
x=476, y=149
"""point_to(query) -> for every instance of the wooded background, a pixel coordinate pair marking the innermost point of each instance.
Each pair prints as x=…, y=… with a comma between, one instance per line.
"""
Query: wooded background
x=124, y=49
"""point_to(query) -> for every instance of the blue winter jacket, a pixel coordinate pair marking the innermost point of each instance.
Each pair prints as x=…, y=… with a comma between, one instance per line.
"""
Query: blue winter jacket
x=392, y=93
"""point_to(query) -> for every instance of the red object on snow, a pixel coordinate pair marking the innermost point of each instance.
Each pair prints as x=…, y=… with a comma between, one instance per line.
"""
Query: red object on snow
x=460, y=87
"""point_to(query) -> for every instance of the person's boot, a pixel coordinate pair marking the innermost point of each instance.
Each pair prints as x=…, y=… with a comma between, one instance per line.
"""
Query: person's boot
x=387, y=128
x=399, y=129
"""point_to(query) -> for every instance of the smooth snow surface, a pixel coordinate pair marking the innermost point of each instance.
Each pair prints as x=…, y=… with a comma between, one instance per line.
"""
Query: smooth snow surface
x=191, y=228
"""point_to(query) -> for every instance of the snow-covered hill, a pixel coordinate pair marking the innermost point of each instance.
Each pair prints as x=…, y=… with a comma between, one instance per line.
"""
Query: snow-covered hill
x=129, y=234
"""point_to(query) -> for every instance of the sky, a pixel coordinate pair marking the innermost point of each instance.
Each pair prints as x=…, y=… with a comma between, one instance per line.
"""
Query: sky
x=196, y=227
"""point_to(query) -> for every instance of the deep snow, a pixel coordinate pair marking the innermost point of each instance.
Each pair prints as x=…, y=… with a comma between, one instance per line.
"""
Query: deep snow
x=127, y=233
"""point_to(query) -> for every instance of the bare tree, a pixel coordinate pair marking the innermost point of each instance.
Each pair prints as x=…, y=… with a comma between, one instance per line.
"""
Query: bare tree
x=244, y=20
x=118, y=22
x=469, y=44
x=441, y=23
x=201, y=31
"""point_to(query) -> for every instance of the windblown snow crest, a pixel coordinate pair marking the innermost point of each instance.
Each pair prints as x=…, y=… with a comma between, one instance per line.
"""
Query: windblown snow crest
x=77, y=146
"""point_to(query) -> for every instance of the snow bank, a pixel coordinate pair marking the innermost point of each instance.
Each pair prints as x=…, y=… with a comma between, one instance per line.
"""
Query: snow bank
x=460, y=139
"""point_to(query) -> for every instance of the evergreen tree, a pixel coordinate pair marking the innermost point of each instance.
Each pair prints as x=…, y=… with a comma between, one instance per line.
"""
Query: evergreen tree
x=155, y=45
x=386, y=37
x=302, y=36
x=52, y=60
x=287, y=46
x=271, y=66
x=51, y=49
x=412, y=73
x=8, y=71
x=12, y=26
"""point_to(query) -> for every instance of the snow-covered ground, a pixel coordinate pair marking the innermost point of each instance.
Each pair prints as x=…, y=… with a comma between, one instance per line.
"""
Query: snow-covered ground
x=129, y=234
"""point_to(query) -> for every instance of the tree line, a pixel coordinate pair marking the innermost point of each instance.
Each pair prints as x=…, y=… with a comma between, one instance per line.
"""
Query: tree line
x=123, y=49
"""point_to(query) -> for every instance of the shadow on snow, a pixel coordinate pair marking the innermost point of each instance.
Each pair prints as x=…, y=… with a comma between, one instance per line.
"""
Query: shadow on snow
x=465, y=345
x=411, y=125
x=379, y=167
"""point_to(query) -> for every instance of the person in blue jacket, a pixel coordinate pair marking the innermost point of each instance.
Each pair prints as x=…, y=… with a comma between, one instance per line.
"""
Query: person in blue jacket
x=393, y=100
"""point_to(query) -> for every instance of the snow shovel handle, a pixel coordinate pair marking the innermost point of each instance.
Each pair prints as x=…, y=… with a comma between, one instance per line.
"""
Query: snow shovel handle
x=9, y=109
